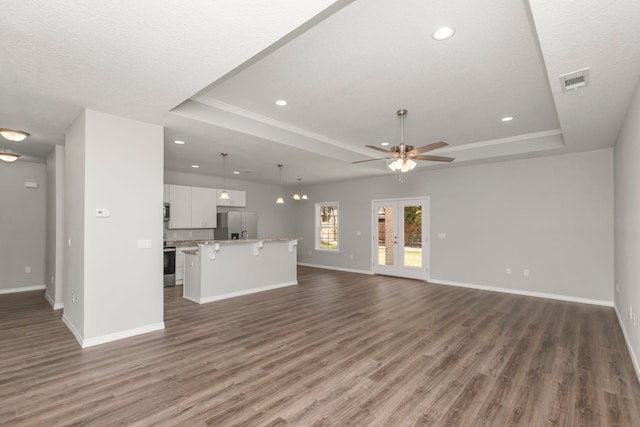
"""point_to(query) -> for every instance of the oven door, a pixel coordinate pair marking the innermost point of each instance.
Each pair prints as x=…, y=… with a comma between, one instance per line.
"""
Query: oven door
x=169, y=266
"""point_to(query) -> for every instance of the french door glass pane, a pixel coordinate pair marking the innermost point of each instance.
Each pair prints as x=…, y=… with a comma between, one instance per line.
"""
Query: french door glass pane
x=385, y=236
x=413, y=236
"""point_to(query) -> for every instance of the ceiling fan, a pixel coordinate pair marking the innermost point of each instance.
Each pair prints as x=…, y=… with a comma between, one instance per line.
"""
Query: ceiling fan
x=403, y=155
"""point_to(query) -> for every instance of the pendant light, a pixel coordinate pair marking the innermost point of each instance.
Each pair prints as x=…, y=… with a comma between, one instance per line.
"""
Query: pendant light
x=224, y=195
x=299, y=194
x=280, y=199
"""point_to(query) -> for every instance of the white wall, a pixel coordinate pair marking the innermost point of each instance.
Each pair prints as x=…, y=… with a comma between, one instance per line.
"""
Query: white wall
x=627, y=226
x=74, y=200
x=551, y=215
x=55, y=226
x=118, y=285
x=273, y=220
x=22, y=226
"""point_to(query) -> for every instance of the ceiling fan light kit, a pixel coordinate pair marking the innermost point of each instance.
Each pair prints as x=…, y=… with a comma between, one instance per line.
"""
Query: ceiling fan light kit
x=403, y=157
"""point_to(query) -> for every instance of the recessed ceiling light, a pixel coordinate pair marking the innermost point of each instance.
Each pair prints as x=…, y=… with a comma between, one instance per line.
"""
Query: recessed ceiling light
x=506, y=119
x=236, y=172
x=443, y=33
x=195, y=166
x=281, y=102
x=385, y=143
x=178, y=142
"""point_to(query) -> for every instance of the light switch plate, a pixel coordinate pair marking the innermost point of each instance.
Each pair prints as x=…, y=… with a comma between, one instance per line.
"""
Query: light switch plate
x=144, y=243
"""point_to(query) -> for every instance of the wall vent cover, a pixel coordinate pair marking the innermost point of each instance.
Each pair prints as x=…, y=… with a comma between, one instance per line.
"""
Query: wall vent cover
x=575, y=80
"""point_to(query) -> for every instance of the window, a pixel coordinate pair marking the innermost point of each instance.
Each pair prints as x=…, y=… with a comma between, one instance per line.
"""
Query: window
x=327, y=226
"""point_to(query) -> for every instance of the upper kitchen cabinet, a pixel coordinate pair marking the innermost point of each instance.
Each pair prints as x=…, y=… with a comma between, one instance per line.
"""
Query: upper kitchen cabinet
x=237, y=199
x=203, y=207
x=192, y=207
x=165, y=193
x=180, y=201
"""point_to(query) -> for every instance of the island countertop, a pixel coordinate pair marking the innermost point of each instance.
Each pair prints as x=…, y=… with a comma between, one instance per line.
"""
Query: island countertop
x=194, y=243
x=220, y=269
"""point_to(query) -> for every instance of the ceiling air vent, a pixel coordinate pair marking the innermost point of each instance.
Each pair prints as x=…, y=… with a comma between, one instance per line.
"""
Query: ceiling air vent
x=575, y=80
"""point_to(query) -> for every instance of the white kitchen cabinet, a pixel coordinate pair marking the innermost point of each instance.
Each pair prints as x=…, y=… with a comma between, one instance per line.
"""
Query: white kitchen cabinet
x=180, y=200
x=165, y=193
x=180, y=264
x=192, y=207
x=237, y=198
x=203, y=207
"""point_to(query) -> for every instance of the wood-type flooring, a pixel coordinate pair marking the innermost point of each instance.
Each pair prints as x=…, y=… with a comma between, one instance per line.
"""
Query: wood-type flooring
x=339, y=349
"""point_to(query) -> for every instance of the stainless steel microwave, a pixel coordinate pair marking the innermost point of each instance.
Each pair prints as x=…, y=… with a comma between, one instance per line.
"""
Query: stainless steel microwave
x=167, y=212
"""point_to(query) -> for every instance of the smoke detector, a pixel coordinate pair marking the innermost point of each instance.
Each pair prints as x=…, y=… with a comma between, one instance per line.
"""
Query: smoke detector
x=575, y=80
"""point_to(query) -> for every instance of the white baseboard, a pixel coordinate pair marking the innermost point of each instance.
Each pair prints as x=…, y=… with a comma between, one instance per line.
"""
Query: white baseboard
x=84, y=343
x=327, y=267
x=634, y=359
x=56, y=306
x=73, y=329
x=245, y=292
x=122, y=334
x=525, y=293
x=22, y=289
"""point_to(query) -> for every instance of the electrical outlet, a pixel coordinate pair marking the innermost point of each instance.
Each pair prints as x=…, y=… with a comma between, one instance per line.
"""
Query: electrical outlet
x=190, y=234
x=508, y=270
x=351, y=256
x=73, y=297
x=27, y=269
x=525, y=272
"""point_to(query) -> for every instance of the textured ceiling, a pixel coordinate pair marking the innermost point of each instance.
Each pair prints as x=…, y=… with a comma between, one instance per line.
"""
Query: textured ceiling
x=210, y=71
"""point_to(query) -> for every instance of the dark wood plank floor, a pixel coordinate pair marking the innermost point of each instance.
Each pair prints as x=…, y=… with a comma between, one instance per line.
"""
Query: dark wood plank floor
x=339, y=349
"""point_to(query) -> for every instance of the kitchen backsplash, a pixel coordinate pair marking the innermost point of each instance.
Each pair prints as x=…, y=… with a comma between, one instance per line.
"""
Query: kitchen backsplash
x=188, y=234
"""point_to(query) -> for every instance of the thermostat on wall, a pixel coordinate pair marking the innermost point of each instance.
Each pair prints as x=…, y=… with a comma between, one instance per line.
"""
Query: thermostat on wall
x=29, y=184
x=102, y=213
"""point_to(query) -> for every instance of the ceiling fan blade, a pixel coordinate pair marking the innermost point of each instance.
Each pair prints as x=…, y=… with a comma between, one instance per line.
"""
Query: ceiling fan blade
x=434, y=158
x=379, y=149
x=430, y=147
x=372, y=160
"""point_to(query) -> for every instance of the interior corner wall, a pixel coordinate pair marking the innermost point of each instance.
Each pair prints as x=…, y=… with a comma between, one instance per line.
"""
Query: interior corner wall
x=627, y=226
x=22, y=226
x=113, y=265
x=123, y=265
x=551, y=215
x=55, y=226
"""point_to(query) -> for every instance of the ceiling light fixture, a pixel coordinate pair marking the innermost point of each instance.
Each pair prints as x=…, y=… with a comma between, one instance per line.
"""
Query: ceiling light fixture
x=224, y=195
x=178, y=142
x=281, y=103
x=236, y=172
x=8, y=157
x=195, y=166
x=506, y=119
x=280, y=199
x=385, y=144
x=443, y=33
x=13, y=135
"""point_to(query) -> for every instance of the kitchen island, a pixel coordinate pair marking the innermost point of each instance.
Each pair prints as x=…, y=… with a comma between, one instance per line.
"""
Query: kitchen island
x=222, y=269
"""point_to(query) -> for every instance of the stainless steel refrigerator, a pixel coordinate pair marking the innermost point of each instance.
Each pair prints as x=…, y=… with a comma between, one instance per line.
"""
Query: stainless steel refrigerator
x=236, y=225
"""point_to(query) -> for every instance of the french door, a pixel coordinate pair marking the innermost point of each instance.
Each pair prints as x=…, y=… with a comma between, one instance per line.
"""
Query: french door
x=399, y=246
